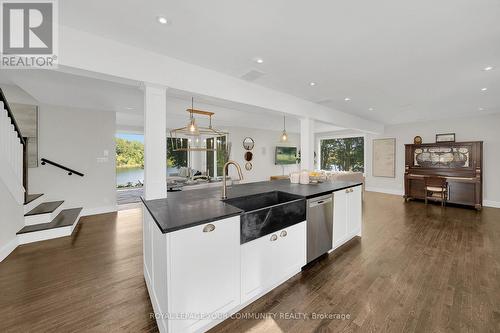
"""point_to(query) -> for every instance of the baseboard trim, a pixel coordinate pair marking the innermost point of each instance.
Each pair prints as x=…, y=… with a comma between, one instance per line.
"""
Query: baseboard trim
x=99, y=210
x=490, y=203
x=8, y=248
x=384, y=190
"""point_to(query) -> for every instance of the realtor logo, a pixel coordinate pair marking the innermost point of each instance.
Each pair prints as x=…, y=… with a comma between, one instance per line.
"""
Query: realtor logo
x=29, y=34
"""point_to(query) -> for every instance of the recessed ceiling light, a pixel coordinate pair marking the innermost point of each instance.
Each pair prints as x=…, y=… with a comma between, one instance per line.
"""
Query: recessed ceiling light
x=259, y=60
x=488, y=68
x=347, y=99
x=370, y=109
x=129, y=108
x=481, y=109
x=484, y=89
x=162, y=20
x=312, y=84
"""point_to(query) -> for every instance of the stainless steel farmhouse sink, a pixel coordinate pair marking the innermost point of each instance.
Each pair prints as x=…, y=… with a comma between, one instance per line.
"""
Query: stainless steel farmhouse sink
x=265, y=213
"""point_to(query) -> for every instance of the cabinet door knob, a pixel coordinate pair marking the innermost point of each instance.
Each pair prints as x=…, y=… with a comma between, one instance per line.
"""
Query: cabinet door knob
x=347, y=191
x=273, y=238
x=283, y=233
x=209, y=228
x=351, y=190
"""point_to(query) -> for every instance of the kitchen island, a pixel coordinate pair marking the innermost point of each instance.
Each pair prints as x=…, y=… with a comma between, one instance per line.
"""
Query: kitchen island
x=205, y=259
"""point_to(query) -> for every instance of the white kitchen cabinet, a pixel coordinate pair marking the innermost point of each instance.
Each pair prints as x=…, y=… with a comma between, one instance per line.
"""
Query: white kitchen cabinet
x=355, y=211
x=347, y=215
x=340, y=217
x=203, y=272
x=270, y=260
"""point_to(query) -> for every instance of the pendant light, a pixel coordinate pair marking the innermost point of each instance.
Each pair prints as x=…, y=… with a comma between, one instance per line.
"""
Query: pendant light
x=192, y=127
x=284, y=135
x=195, y=137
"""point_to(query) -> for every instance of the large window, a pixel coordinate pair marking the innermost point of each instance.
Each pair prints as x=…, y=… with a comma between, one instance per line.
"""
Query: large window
x=342, y=154
x=176, y=159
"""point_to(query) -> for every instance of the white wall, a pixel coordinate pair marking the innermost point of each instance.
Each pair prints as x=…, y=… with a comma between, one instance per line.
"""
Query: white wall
x=263, y=153
x=484, y=128
x=76, y=138
x=11, y=221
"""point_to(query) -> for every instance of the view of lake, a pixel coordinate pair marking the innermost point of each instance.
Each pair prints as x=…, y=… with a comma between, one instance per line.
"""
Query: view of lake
x=125, y=175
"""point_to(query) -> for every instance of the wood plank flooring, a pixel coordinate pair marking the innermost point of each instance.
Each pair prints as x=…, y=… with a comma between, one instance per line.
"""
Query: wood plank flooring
x=417, y=269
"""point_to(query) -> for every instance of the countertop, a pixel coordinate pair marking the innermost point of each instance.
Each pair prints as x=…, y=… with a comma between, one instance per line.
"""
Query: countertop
x=186, y=209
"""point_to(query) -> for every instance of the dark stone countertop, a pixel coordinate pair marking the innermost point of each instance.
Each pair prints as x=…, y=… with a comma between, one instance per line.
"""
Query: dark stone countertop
x=189, y=208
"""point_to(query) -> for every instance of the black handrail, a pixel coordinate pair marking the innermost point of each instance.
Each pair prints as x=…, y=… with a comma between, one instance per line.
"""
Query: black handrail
x=70, y=171
x=11, y=116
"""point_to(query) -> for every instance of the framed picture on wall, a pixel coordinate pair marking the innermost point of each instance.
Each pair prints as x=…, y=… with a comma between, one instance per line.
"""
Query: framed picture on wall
x=384, y=158
x=447, y=137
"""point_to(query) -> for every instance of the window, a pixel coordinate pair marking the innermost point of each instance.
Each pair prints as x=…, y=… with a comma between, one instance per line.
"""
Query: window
x=216, y=159
x=342, y=154
x=129, y=160
x=221, y=154
x=210, y=158
x=176, y=159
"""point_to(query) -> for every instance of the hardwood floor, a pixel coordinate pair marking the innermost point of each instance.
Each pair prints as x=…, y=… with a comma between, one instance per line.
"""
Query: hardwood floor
x=417, y=269
x=90, y=282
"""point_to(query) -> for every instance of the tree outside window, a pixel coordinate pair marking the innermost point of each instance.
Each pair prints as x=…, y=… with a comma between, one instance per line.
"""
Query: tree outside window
x=342, y=154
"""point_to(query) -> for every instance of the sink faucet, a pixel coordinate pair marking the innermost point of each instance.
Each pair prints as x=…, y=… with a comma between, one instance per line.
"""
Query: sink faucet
x=224, y=176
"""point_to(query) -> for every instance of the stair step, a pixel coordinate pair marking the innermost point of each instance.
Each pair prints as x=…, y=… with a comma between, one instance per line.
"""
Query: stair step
x=33, y=200
x=45, y=208
x=32, y=197
x=65, y=218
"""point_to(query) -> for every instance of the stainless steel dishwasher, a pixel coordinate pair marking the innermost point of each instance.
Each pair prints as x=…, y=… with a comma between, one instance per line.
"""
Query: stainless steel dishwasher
x=319, y=226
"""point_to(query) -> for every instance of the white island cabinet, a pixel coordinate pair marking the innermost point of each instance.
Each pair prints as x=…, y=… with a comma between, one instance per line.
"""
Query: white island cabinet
x=347, y=215
x=268, y=261
x=200, y=275
x=193, y=275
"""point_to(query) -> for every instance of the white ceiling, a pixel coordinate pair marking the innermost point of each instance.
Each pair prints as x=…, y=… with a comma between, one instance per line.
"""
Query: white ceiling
x=84, y=92
x=409, y=60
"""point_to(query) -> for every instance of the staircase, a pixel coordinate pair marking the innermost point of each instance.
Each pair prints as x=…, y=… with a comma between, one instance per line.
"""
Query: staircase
x=42, y=219
x=46, y=220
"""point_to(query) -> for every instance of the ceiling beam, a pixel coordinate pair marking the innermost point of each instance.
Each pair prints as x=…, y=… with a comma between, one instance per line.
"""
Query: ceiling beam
x=89, y=52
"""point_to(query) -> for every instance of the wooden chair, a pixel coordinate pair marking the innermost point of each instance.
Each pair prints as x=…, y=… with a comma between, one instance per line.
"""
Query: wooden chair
x=437, y=187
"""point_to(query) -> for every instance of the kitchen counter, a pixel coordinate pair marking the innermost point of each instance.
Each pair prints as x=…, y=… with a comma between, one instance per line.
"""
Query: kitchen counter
x=186, y=209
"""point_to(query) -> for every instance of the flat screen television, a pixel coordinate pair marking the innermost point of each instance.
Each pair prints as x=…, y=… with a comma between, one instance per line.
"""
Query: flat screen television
x=285, y=155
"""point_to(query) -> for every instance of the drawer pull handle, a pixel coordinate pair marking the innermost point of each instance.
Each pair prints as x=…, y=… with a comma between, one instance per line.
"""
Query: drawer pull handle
x=209, y=228
x=283, y=233
x=273, y=238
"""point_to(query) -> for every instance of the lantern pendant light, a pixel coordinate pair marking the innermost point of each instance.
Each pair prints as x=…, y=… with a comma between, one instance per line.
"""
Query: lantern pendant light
x=194, y=137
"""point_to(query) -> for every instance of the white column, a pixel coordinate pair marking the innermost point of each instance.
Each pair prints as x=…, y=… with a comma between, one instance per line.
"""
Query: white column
x=307, y=143
x=155, y=142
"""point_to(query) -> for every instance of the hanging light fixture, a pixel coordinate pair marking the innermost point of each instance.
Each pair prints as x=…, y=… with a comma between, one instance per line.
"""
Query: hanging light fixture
x=192, y=127
x=284, y=135
x=193, y=137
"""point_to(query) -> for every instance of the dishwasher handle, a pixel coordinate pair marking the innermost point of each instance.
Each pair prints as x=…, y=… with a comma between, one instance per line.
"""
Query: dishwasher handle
x=320, y=202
